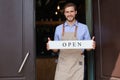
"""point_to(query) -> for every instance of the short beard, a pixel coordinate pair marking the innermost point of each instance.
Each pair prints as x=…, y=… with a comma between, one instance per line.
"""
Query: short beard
x=71, y=20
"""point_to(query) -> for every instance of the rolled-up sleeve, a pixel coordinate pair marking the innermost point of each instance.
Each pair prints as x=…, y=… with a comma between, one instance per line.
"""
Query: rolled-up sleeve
x=58, y=33
x=56, y=37
x=86, y=34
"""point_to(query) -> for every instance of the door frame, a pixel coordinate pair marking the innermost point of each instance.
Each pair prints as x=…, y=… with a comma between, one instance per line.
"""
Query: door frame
x=90, y=55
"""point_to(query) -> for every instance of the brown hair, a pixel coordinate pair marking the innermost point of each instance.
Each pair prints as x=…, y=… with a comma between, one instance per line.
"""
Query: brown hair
x=69, y=5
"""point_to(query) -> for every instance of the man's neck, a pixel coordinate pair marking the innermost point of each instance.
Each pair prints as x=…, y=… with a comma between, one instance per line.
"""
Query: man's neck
x=71, y=22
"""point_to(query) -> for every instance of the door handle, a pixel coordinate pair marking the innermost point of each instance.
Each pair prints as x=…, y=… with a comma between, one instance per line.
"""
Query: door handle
x=23, y=63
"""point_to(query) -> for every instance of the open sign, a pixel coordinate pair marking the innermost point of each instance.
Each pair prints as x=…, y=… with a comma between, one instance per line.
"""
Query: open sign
x=72, y=44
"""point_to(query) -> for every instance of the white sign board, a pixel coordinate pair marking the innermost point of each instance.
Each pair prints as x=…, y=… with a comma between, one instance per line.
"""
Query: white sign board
x=74, y=44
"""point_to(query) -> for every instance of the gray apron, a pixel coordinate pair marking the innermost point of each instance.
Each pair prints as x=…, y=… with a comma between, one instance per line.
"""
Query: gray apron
x=71, y=61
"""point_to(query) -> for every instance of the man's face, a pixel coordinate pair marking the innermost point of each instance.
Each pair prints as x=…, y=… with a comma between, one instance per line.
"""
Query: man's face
x=70, y=13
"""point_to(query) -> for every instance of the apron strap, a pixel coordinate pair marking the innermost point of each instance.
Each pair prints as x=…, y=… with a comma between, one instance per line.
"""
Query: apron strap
x=63, y=30
x=75, y=33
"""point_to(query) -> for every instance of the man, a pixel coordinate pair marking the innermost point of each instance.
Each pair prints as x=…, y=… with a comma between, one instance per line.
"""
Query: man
x=71, y=62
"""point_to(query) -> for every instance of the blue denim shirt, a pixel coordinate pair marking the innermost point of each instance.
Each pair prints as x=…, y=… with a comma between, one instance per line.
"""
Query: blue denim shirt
x=82, y=31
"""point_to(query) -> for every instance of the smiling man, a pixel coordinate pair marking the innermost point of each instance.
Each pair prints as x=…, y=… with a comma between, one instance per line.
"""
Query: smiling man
x=71, y=61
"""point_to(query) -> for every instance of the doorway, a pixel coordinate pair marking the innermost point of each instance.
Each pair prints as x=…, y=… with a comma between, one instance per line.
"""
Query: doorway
x=49, y=14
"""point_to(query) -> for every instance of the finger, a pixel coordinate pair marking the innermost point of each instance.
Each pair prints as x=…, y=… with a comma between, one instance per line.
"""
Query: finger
x=93, y=38
x=94, y=44
x=47, y=46
x=49, y=39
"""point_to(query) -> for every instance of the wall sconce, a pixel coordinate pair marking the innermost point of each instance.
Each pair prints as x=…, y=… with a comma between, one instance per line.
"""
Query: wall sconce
x=56, y=13
x=58, y=7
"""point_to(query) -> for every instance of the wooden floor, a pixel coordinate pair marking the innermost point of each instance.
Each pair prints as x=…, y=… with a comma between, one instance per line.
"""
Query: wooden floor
x=45, y=68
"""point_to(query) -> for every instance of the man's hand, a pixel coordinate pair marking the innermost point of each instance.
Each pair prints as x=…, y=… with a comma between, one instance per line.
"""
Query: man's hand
x=47, y=45
x=94, y=43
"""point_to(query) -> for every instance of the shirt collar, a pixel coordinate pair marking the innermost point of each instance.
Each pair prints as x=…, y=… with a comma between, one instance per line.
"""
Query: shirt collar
x=75, y=24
